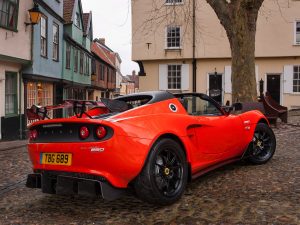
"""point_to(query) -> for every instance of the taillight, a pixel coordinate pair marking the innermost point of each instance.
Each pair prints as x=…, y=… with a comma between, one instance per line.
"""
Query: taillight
x=101, y=132
x=33, y=134
x=84, y=132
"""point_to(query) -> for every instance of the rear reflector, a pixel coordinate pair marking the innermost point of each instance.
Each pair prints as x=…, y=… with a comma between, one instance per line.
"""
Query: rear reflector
x=84, y=132
x=101, y=132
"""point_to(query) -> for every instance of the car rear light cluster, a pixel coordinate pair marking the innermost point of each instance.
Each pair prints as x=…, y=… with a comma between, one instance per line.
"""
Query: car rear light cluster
x=33, y=134
x=100, y=132
x=84, y=132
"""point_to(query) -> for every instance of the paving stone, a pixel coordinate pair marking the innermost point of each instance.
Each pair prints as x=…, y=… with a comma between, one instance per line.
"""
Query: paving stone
x=235, y=194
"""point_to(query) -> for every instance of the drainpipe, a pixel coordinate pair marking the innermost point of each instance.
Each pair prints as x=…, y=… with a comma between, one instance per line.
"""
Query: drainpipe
x=194, y=49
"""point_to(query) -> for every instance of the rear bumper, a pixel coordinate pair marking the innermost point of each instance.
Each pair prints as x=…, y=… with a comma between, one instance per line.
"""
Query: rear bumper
x=119, y=160
x=62, y=183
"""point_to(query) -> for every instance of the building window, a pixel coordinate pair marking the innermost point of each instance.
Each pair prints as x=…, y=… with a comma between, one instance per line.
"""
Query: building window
x=68, y=56
x=43, y=36
x=55, y=41
x=81, y=62
x=296, y=79
x=174, y=77
x=11, y=93
x=94, y=67
x=173, y=37
x=87, y=65
x=172, y=2
x=75, y=59
x=108, y=75
x=297, y=32
x=101, y=71
x=39, y=93
x=77, y=20
x=9, y=14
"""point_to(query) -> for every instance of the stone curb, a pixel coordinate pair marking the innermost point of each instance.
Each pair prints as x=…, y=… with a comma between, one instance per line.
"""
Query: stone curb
x=13, y=147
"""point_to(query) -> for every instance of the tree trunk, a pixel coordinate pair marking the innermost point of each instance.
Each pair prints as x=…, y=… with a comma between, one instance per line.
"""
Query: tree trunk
x=242, y=43
x=239, y=19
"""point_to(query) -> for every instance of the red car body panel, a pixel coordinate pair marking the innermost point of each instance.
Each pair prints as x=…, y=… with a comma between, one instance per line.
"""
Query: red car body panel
x=207, y=140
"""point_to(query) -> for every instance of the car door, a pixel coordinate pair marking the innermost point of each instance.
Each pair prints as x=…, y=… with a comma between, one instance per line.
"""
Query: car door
x=217, y=133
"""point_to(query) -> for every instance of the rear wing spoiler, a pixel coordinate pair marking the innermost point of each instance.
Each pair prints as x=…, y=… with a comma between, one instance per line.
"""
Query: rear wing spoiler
x=79, y=108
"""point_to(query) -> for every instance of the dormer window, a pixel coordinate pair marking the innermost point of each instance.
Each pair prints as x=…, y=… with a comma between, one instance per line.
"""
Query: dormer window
x=77, y=20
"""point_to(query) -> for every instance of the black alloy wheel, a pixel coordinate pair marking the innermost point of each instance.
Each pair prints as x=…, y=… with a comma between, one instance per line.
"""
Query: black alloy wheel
x=263, y=144
x=168, y=172
x=164, y=176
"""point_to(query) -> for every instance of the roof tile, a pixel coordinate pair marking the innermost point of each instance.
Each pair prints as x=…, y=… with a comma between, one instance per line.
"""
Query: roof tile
x=68, y=10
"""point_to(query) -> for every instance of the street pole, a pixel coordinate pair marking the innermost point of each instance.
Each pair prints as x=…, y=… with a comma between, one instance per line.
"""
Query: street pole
x=194, y=49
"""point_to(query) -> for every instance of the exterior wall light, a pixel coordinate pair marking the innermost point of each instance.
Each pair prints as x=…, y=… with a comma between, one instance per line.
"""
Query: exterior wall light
x=35, y=15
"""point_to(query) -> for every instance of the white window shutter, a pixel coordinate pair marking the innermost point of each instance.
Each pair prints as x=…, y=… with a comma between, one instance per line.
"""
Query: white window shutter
x=185, y=77
x=288, y=71
x=163, y=77
x=228, y=83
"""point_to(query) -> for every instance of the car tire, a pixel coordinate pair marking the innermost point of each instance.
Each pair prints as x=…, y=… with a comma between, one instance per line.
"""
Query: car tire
x=164, y=175
x=263, y=145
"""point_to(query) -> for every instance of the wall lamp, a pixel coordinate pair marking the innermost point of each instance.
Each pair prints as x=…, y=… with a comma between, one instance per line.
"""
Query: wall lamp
x=35, y=15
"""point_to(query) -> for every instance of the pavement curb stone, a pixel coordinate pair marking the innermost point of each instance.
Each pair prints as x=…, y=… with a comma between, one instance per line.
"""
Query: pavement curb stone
x=8, y=145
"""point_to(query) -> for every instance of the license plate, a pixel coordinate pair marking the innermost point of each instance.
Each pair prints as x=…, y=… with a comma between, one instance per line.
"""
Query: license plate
x=64, y=159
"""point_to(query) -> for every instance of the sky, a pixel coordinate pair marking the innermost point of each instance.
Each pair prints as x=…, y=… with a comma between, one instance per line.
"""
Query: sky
x=112, y=21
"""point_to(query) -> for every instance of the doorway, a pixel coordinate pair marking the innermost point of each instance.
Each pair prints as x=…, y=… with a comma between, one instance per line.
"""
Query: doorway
x=273, y=86
x=215, y=87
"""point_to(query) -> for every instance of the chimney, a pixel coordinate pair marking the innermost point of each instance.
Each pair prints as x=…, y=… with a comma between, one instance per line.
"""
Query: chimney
x=101, y=41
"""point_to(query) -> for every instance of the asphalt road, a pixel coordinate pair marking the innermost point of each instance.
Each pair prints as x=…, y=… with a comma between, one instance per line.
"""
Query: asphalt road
x=234, y=194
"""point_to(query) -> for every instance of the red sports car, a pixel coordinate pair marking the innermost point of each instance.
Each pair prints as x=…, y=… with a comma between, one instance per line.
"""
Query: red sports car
x=153, y=142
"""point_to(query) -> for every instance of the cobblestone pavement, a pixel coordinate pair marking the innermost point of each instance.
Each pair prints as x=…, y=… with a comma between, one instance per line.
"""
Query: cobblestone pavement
x=234, y=194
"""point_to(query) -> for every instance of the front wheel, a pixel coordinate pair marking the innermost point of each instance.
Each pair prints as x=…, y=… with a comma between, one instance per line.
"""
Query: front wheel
x=164, y=176
x=263, y=145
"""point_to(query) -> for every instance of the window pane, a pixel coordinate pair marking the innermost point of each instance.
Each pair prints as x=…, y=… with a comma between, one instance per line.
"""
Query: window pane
x=9, y=13
x=298, y=26
x=173, y=36
x=43, y=26
x=174, y=76
x=10, y=93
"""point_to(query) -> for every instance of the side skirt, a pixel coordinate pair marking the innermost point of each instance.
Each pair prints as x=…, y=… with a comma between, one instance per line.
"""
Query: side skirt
x=210, y=168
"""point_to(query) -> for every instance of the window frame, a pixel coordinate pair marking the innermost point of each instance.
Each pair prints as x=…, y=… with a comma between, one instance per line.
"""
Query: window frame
x=44, y=38
x=76, y=59
x=77, y=20
x=171, y=85
x=55, y=44
x=297, y=80
x=87, y=65
x=15, y=25
x=296, y=32
x=203, y=97
x=108, y=74
x=167, y=37
x=81, y=62
x=68, y=55
x=101, y=69
x=14, y=76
